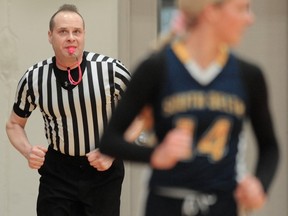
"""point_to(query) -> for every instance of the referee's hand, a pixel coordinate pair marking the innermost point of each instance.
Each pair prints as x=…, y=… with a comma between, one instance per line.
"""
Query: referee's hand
x=36, y=157
x=99, y=161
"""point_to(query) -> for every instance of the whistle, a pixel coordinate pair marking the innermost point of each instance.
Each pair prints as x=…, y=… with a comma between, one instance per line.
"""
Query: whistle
x=71, y=50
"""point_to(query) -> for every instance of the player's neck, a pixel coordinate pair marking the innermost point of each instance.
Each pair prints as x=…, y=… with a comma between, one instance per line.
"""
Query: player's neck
x=202, y=48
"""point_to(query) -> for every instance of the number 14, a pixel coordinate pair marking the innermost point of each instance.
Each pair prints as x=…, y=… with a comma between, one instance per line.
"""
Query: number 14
x=213, y=142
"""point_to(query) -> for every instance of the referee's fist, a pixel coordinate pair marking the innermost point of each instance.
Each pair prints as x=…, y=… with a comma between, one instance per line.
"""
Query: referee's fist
x=99, y=161
x=36, y=156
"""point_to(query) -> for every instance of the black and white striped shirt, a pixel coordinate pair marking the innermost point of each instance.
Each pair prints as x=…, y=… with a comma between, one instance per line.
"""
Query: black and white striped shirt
x=74, y=118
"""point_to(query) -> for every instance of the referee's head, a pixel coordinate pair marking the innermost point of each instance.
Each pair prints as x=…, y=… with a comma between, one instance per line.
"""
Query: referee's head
x=65, y=8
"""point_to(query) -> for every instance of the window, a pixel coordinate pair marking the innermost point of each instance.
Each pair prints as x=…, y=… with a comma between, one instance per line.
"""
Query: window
x=166, y=10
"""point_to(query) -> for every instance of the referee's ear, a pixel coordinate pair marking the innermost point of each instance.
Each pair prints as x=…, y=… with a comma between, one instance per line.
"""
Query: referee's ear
x=49, y=36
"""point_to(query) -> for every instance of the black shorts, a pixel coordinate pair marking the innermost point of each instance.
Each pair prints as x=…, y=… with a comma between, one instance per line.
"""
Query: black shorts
x=184, y=202
x=69, y=186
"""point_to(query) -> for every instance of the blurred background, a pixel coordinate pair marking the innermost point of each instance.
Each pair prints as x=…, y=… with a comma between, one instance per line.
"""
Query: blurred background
x=127, y=29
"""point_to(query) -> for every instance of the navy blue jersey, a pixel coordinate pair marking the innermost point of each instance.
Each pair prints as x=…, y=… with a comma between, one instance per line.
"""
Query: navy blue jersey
x=215, y=110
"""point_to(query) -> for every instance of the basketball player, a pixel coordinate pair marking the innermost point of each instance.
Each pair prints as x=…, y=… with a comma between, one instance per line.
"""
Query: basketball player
x=201, y=94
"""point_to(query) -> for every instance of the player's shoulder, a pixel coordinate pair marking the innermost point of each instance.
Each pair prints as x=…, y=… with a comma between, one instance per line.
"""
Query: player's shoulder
x=250, y=72
x=154, y=60
x=248, y=67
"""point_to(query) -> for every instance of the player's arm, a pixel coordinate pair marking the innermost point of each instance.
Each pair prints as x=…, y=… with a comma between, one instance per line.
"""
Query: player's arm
x=251, y=192
x=140, y=93
x=15, y=129
x=262, y=124
x=261, y=119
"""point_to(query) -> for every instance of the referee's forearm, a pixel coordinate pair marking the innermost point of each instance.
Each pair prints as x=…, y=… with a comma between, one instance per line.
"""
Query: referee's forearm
x=18, y=138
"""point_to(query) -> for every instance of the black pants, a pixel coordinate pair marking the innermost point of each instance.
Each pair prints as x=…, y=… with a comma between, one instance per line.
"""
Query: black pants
x=69, y=186
x=195, y=204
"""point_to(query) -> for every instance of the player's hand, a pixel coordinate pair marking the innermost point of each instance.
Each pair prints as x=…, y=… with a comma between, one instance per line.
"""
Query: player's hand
x=175, y=147
x=249, y=194
x=36, y=157
x=99, y=161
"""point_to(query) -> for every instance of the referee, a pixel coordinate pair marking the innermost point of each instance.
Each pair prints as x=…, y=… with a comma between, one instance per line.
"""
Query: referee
x=76, y=92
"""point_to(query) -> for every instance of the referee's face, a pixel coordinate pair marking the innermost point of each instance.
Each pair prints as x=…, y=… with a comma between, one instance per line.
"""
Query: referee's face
x=68, y=33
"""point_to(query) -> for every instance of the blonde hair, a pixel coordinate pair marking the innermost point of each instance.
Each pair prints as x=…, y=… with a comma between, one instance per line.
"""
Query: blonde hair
x=191, y=9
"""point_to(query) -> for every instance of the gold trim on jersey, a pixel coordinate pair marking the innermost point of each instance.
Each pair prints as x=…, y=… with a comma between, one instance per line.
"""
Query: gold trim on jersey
x=182, y=53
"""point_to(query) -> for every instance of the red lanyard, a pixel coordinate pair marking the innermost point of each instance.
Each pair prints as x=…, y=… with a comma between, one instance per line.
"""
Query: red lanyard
x=71, y=80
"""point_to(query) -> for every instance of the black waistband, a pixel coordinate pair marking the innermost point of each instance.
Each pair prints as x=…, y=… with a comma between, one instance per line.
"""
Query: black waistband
x=56, y=155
